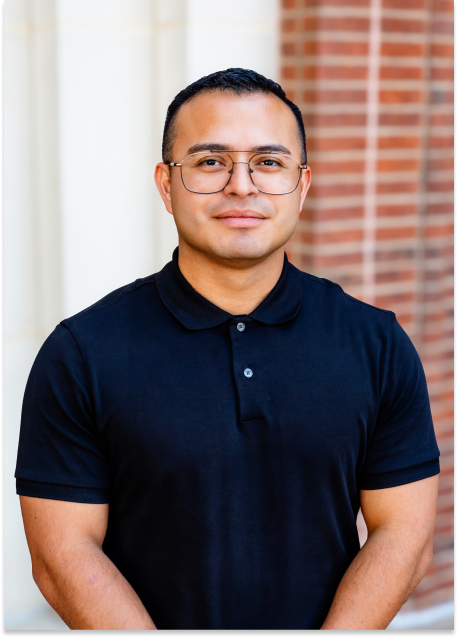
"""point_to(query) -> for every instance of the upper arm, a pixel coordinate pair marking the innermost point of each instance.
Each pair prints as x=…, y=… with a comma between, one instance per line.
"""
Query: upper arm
x=410, y=508
x=52, y=526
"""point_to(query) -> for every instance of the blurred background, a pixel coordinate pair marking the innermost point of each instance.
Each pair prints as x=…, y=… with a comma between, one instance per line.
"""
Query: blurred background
x=86, y=88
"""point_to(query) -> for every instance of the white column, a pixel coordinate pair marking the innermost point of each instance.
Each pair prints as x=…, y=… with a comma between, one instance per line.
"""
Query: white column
x=32, y=246
x=239, y=33
x=108, y=146
x=86, y=87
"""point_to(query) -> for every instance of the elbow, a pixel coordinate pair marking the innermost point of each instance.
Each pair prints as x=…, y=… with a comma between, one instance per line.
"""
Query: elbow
x=38, y=573
x=427, y=557
x=41, y=577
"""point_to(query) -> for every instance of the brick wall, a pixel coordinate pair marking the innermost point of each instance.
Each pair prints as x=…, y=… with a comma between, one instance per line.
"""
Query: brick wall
x=373, y=79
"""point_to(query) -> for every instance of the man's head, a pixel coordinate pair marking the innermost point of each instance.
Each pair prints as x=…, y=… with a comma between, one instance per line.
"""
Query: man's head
x=237, y=81
x=240, y=113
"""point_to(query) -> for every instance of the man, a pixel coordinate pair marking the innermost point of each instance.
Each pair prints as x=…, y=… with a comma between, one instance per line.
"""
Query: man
x=195, y=447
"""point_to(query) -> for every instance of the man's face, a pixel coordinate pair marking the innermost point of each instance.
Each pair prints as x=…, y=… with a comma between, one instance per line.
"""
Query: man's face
x=238, y=224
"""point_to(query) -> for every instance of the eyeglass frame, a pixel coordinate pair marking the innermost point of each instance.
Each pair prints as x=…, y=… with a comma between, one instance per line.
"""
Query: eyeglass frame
x=180, y=165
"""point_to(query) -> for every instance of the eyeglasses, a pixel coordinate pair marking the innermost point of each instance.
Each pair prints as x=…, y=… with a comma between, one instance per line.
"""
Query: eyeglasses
x=210, y=172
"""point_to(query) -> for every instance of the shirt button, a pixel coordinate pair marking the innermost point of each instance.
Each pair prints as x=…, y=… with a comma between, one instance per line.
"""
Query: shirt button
x=248, y=373
x=240, y=326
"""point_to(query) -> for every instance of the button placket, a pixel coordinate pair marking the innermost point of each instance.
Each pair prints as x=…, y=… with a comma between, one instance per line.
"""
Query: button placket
x=248, y=373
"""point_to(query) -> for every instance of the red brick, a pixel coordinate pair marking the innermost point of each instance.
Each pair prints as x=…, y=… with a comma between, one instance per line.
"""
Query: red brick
x=341, y=119
x=442, y=164
x=399, y=142
x=439, y=209
x=442, y=74
x=398, y=49
x=337, y=261
x=395, y=233
x=339, y=167
x=401, y=73
x=335, y=48
x=336, y=3
x=393, y=255
x=403, y=4
x=396, y=210
x=398, y=165
x=338, y=190
x=439, y=231
x=441, y=119
x=288, y=26
x=389, y=301
x=336, y=143
x=402, y=26
x=443, y=27
x=325, y=23
x=442, y=50
x=440, y=142
x=440, y=187
x=399, y=119
x=289, y=72
x=288, y=48
x=327, y=214
x=332, y=237
x=444, y=6
x=397, y=187
x=395, y=275
x=335, y=73
x=332, y=96
x=400, y=97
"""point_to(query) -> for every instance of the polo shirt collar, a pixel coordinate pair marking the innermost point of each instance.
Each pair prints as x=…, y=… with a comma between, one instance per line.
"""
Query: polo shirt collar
x=197, y=313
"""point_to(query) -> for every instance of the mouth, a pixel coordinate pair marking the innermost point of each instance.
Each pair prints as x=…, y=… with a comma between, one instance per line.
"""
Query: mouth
x=241, y=218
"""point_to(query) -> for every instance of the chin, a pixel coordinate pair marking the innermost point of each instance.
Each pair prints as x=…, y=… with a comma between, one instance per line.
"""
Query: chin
x=243, y=251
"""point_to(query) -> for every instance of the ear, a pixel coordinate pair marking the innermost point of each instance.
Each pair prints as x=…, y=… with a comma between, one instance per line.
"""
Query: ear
x=306, y=178
x=162, y=179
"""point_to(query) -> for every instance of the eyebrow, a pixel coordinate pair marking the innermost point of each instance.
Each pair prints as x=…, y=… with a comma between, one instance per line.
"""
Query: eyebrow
x=264, y=148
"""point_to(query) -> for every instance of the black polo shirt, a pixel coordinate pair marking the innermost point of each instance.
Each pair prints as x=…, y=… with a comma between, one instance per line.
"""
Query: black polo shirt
x=231, y=449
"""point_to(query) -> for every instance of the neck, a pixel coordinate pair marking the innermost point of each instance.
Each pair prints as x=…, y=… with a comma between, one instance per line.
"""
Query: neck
x=237, y=290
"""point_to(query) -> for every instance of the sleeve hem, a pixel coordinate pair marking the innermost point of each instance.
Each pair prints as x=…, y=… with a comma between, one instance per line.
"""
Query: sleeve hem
x=400, y=477
x=57, y=492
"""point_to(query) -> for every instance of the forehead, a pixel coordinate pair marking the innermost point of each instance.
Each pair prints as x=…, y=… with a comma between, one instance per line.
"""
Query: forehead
x=241, y=121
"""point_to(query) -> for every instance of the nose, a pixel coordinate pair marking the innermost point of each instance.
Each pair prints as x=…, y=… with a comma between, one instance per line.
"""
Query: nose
x=240, y=183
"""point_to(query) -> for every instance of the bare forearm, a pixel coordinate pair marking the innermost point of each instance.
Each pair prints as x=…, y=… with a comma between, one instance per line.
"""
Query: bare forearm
x=89, y=592
x=378, y=582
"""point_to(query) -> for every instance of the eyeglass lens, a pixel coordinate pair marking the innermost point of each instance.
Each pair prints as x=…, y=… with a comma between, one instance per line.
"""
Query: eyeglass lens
x=272, y=173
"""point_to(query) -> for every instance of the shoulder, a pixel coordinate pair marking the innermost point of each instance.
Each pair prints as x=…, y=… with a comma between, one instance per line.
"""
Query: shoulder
x=119, y=305
x=329, y=296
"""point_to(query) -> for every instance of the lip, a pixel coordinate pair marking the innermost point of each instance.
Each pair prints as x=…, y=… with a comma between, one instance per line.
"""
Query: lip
x=241, y=218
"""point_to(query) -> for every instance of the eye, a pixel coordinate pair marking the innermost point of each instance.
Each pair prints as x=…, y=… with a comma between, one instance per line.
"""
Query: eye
x=270, y=162
x=211, y=162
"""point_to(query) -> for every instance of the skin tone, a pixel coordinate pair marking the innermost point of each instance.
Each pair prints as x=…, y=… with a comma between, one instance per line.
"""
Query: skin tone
x=231, y=251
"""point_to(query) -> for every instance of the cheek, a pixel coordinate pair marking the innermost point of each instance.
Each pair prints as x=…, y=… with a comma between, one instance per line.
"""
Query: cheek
x=288, y=209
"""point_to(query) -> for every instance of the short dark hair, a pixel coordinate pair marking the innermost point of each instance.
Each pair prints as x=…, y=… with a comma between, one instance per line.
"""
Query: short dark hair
x=239, y=81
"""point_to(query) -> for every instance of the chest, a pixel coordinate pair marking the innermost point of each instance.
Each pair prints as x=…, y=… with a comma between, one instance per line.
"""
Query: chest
x=224, y=396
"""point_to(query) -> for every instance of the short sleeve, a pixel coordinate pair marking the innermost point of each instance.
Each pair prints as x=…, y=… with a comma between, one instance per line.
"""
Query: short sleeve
x=60, y=455
x=403, y=448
